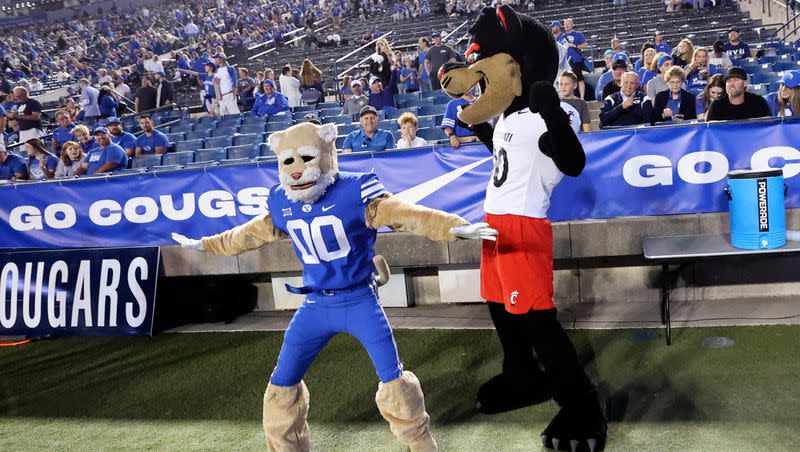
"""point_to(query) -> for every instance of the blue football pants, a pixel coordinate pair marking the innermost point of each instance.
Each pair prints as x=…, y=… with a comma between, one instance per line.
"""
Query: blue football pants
x=321, y=317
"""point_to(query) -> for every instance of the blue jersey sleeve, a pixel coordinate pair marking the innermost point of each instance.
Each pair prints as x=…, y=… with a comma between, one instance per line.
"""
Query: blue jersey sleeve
x=160, y=139
x=371, y=187
x=449, y=119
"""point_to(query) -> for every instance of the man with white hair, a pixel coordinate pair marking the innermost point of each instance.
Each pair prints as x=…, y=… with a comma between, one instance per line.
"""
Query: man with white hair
x=28, y=113
x=225, y=83
x=629, y=106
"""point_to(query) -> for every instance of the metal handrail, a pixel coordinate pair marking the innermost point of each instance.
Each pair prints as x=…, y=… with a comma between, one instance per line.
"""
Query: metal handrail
x=783, y=27
x=363, y=46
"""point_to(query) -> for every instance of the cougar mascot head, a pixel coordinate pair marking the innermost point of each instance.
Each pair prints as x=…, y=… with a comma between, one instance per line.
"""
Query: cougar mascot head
x=307, y=163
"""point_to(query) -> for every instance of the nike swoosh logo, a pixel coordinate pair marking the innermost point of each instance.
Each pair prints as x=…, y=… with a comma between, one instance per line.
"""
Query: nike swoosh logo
x=425, y=189
x=327, y=208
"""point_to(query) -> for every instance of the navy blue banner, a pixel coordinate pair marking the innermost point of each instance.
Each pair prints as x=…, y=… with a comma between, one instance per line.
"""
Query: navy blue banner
x=90, y=292
x=650, y=171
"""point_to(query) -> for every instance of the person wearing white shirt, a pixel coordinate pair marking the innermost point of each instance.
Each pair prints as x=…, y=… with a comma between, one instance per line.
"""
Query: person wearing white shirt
x=408, y=132
x=191, y=29
x=290, y=86
x=36, y=85
x=152, y=65
x=225, y=86
x=122, y=88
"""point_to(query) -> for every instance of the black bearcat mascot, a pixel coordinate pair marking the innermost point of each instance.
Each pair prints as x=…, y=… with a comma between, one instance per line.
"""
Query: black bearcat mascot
x=515, y=60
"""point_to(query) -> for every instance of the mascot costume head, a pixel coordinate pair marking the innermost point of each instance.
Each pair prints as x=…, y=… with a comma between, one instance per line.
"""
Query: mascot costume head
x=515, y=60
x=307, y=163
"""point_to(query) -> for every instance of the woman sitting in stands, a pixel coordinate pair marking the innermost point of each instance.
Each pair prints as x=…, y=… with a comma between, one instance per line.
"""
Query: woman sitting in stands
x=84, y=137
x=683, y=52
x=713, y=91
x=311, y=77
x=41, y=163
x=658, y=83
x=408, y=132
x=71, y=157
x=675, y=103
x=786, y=101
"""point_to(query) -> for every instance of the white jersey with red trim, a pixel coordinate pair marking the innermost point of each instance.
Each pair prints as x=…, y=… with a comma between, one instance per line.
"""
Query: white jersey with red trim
x=523, y=177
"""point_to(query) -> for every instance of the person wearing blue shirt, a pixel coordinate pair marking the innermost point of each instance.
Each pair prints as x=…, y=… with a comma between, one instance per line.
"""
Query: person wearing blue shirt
x=424, y=77
x=736, y=49
x=382, y=97
x=575, y=41
x=369, y=138
x=106, y=157
x=12, y=166
x=271, y=102
x=408, y=76
x=151, y=141
x=120, y=137
x=84, y=137
x=607, y=77
x=108, y=103
x=456, y=130
x=660, y=45
x=786, y=101
x=63, y=132
x=41, y=163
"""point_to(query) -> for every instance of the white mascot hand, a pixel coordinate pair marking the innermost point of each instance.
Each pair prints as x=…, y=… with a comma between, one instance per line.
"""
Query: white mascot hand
x=377, y=58
x=475, y=231
x=187, y=243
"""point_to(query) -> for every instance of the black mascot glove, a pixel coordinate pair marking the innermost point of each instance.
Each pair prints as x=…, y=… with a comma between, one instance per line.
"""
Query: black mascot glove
x=484, y=131
x=544, y=100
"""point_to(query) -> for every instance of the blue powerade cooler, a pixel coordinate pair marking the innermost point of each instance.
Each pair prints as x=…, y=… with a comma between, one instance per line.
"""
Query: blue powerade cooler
x=757, y=210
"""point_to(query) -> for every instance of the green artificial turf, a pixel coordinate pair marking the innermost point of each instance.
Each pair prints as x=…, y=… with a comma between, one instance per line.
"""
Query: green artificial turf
x=204, y=392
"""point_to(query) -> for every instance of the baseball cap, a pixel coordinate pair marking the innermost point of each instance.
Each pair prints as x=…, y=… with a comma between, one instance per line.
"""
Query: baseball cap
x=221, y=55
x=355, y=83
x=791, y=79
x=99, y=129
x=621, y=56
x=113, y=120
x=733, y=28
x=312, y=118
x=619, y=64
x=555, y=23
x=608, y=52
x=268, y=81
x=374, y=80
x=735, y=72
x=368, y=109
x=436, y=34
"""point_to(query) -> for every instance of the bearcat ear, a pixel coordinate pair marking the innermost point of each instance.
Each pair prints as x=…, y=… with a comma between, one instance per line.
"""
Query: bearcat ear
x=509, y=19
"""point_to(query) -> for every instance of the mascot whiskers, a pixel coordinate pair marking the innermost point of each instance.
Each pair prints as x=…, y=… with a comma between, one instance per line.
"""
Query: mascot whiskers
x=332, y=218
x=515, y=60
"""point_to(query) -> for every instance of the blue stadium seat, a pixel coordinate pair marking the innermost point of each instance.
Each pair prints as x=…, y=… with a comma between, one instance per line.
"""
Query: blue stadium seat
x=218, y=142
x=164, y=168
x=346, y=119
x=188, y=145
x=417, y=103
x=429, y=110
x=197, y=134
x=206, y=155
x=238, y=152
x=426, y=121
x=232, y=120
x=264, y=151
x=768, y=59
x=329, y=105
x=182, y=127
x=176, y=136
x=304, y=108
x=340, y=141
x=178, y=158
x=432, y=134
x=387, y=124
x=344, y=129
x=323, y=113
x=252, y=128
x=234, y=161
x=442, y=100
x=759, y=89
x=764, y=77
x=251, y=120
x=396, y=112
x=224, y=131
x=781, y=66
x=249, y=139
x=277, y=126
x=201, y=164
x=431, y=93
x=279, y=118
x=146, y=161
x=406, y=96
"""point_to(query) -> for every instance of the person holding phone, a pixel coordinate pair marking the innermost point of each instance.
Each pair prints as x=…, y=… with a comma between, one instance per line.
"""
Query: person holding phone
x=675, y=103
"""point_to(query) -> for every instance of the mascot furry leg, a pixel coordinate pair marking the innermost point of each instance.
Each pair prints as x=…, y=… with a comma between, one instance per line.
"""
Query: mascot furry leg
x=515, y=60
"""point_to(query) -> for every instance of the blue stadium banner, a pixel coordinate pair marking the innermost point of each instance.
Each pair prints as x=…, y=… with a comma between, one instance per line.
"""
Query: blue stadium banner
x=81, y=292
x=649, y=171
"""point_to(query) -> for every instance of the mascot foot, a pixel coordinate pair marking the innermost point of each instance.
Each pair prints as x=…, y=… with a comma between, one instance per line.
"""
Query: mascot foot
x=402, y=404
x=285, y=412
x=498, y=394
x=578, y=427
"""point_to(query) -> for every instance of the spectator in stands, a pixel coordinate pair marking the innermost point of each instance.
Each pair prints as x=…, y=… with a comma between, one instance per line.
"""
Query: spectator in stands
x=713, y=91
x=409, y=76
x=785, y=101
x=225, y=86
x=616, y=45
x=645, y=59
x=41, y=163
x=105, y=157
x=735, y=48
x=247, y=89
x=165, y=90
x=408, y=132
x=152, y=65
x=659, y=44
x=657, y=83
x=72, y=108
x=28, y=113
x=424, y=76
x=63, y=132
x=84, y=137
x=575, y=42
x=698, y=71
x=738, y=104
x=36, y=85
x=11, y=133
x=344, y=91
x=567, y=84
x=719, y=57
x=608, y=58
x=89, y=100
x=627, y=107
x=673, y=5
x=676, y=103
x=555, y=29
x=456, y=131
x=152, y=141
x=610, y=82
x=108, y=102
x=145, y=96
x=290, y=86
x=437, y=56
x=70, y=159
x=682, y=53
x=311, y=78
x=12, y=166
x=381, y=62
x=369, y=138
x=3, y=119
x=125, y=140
x=271, y=102
x=356, y=101
x=380, y=97
x=312, y=118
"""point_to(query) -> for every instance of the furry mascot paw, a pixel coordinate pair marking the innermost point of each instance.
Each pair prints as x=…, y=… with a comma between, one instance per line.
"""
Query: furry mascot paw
x=515, y=60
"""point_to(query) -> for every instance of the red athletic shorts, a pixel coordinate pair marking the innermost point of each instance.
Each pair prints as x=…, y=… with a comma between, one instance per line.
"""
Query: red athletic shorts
x=517, y=269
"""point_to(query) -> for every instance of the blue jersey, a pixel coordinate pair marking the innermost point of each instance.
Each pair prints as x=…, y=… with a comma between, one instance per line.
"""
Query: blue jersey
x=330, y=236
x=125, y=140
